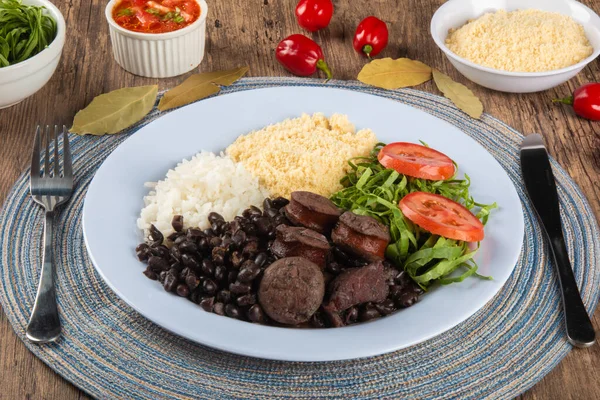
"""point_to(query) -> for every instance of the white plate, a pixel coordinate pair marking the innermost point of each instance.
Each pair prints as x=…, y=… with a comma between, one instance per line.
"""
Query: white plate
x=114, y=199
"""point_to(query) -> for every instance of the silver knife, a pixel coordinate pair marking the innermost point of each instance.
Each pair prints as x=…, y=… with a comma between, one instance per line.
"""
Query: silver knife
x=541, y=188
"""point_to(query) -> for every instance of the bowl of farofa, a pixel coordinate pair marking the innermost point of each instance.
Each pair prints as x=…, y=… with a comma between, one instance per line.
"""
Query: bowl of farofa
x=517, y=46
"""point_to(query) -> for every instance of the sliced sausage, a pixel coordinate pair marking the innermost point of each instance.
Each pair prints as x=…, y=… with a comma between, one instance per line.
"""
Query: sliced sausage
x=356, y=286
x=312, y=211
x=300, y=242
x=361, y=235
x=291, y=290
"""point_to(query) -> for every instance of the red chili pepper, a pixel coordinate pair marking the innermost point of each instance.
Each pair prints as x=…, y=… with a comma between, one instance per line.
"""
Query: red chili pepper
x=313, y=15
x=371, y=37
x=585, y=101
x=301, y=56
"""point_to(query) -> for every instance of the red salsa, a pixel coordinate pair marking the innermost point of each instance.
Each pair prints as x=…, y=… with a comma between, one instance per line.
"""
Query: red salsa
x=155, y=16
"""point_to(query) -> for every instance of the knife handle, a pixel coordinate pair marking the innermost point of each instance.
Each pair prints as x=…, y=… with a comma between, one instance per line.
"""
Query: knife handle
x=580, y=331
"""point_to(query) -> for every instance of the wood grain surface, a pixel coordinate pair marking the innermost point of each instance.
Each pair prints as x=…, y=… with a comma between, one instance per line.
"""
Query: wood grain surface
x=246, y=32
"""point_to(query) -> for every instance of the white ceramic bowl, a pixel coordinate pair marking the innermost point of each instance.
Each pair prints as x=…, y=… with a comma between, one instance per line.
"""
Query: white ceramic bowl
x=158, y=55
x=455, y=13
x=21, y=80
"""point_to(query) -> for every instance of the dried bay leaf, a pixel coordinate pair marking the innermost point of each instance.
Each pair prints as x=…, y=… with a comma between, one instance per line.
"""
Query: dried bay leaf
x=199, y=86
x=388, y=73
x=459, y=94
x=114, y=111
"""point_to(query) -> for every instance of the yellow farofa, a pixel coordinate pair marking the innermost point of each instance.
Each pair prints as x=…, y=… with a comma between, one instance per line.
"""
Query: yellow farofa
x=306, y=153
x=521, y=41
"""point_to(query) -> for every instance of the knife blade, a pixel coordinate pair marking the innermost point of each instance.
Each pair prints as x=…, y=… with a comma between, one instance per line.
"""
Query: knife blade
x=541, y=188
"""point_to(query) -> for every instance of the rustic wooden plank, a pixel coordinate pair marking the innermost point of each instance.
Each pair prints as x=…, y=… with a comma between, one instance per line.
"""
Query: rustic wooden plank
x=242, y=32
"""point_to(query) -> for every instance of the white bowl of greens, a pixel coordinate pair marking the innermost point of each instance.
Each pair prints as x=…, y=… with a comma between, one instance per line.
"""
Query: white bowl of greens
x=32, y=35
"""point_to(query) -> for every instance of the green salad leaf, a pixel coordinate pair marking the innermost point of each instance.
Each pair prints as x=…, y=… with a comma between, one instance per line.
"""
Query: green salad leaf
x=24, y=31
x=371, y=189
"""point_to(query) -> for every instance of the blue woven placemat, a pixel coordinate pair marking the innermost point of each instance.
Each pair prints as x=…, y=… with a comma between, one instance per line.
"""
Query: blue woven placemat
x=110, y=351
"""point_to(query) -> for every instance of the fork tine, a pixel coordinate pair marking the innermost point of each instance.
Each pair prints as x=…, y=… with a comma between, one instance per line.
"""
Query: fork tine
x=47, y=154
x=56, y=159
x=67, y=162
x=35, y=157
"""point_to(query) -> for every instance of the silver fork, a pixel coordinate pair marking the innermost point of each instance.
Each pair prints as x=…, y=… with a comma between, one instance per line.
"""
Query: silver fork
x=49, y=188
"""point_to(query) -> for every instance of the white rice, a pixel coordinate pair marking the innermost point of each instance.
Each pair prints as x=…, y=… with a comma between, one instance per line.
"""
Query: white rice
x=198, y=186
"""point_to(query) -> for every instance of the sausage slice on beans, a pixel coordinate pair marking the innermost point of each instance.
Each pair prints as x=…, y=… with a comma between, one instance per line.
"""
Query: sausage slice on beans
x=291, y=290
x=312, y=211
x=362, y=236
x=300, y=242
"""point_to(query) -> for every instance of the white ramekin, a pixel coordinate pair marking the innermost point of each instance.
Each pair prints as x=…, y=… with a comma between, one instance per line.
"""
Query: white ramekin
x=455, y=13
x=19, y=81
x=158, y=55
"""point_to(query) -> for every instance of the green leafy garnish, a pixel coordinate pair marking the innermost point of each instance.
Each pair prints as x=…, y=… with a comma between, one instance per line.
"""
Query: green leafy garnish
x=152, y=11
x=173, y=16
x=370, y=189
x=24, y=31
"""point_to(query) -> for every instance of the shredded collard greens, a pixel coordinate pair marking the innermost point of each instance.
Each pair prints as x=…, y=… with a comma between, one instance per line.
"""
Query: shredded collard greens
x=24, y=31
x=370, y=189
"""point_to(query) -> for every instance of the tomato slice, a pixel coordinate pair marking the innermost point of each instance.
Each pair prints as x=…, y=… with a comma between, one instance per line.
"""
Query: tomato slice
x=441, y=216
x=416, y=160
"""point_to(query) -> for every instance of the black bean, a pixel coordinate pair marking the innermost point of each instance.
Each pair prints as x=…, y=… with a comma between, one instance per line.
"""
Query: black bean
x=150, y=274
x=280, y=220
x=267, y=204
x=256, y=314
x=220, y=273
x=170, y=282
x=177, y=223
x=271, y=212
x=250, y=228
x=183, y=290
x=180, y=239
x=208, y=232
x=188, y=247
x=155, y=236
x=246, y=300
x=318, y=320
x=232, y=276
x=248, y=274
x=260, y=259
x=215, y=241
x=194, y=233
x=209, y=287
x=214, y=217
x=264, y=225
x=224, y=296
x=236, y=259
x=158, y=263
x=395, y=291
x=196, y=296
x=192, y=281
x=250, y=249
x=162, y=276
x=160, y=251
x=142, y=251
x=173, y=236
x=175, y=253
x=190, y=261
x=203, y=244
x=334, y=268
x=417, y=289
x=351, y=315
x=176, y=266
x=279, y=202
x=239, y=238
x=219, y=308
x=232, y=311
x=226, y=242
x=216, y=227
x=368, y=313
x=239, y=288
x=234, y=226
x=407, y=299
x=183, y=274
x=218, y=259
x=207, y=268
x=386, y=307
x=207, y=303
x=255, y=211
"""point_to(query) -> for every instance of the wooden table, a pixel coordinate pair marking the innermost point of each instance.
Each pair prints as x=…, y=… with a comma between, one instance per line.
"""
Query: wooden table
x=245, y=32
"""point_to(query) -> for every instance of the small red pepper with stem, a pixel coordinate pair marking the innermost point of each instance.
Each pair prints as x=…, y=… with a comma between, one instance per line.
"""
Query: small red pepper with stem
x=313, y=15
x=371, y=37
x=585, y=101
x=301, y=56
